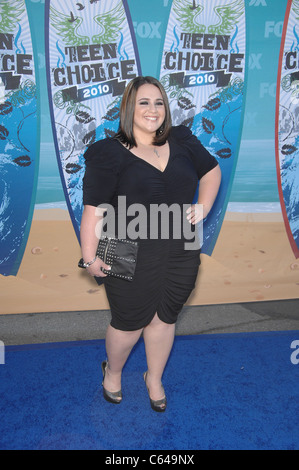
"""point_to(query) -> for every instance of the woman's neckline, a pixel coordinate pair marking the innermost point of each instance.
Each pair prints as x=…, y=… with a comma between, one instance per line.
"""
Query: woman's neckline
x=145, y=161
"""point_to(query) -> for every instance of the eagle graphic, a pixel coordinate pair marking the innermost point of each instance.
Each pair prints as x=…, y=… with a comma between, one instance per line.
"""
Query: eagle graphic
x=190, y=15
x=106, y=26
x=10, y=14
x=295, y=7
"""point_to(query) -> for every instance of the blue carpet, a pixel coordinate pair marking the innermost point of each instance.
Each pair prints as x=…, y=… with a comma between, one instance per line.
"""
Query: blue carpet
x=233, y=391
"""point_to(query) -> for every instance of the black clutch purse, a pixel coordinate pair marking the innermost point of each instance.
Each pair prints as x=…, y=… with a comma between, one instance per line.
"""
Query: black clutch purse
x=120, y=254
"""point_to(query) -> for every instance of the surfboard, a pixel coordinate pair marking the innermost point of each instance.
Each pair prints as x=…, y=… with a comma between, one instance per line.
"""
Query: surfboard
x=287, y=124
x=91, y=55
x=19, y=134
x=203, y=71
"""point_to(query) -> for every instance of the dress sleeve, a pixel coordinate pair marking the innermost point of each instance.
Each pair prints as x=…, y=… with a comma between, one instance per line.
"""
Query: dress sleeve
x=203, y=161
x=101, y=174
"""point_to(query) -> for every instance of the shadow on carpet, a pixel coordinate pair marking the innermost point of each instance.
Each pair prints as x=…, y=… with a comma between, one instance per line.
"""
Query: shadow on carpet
x=232, y=391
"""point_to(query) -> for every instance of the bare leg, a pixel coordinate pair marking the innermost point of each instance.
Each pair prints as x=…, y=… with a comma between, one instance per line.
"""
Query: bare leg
x=158, y=338
x=119, y=344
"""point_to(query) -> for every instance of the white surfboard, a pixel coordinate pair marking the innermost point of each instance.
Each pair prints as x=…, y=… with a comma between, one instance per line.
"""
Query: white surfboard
x=91, y=55
x=203, y=71
x=287, y=125
x=19, y=134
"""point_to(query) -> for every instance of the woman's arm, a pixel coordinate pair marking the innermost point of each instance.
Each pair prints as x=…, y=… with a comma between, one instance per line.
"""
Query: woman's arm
x=91, y=225
x=208, y=190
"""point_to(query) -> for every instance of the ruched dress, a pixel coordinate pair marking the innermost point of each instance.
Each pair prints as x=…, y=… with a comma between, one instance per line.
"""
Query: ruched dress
x=166, y=271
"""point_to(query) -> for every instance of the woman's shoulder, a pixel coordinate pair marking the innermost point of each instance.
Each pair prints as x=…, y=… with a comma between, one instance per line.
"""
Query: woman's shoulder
x=200, y=156
x=180, y=133
x=100, y=148
x=105, y=152
x=184, y=137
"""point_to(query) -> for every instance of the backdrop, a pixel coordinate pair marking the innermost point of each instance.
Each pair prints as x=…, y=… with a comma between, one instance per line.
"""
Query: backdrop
x=230, y=69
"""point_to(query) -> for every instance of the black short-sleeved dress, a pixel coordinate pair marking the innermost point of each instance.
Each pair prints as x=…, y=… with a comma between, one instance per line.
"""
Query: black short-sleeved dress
x=165, y=272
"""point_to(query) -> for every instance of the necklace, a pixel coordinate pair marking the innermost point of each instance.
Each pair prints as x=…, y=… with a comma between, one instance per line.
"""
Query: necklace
x=156, y=152
x=148, y=147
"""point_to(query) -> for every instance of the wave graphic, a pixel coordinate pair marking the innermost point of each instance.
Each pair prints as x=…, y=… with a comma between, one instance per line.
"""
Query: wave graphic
x=18, y=50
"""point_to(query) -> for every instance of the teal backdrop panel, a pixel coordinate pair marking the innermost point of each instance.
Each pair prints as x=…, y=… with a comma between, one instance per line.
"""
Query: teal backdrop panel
x=255, y=183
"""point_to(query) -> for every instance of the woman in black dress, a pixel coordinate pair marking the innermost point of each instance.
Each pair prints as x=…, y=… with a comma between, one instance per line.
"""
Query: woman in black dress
x=148, y=162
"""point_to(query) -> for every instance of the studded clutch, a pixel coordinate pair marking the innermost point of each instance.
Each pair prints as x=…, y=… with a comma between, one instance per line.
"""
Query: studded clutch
x=120, y=254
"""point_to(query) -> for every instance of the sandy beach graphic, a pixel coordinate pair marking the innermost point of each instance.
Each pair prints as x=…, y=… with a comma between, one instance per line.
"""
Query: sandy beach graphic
x=252, y=261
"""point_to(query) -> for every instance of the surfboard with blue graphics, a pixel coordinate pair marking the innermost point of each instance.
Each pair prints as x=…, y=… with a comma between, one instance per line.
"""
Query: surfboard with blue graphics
x=287, y=124
x=19, y=134
x=91, y=55
x=203, y=71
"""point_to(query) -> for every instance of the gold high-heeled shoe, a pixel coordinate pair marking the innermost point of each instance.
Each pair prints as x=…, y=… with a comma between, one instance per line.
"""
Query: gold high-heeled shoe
x=112, y=397
x=157, y=405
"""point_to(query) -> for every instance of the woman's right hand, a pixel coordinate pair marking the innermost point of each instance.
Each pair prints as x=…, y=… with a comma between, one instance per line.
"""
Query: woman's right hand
x=95, y=269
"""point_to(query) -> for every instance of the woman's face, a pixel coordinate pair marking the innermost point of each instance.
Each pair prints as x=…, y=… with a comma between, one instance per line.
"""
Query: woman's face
x=149, y=110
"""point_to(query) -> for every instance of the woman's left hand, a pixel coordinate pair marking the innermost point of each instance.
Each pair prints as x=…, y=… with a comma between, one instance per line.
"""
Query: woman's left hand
x=195, y=213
